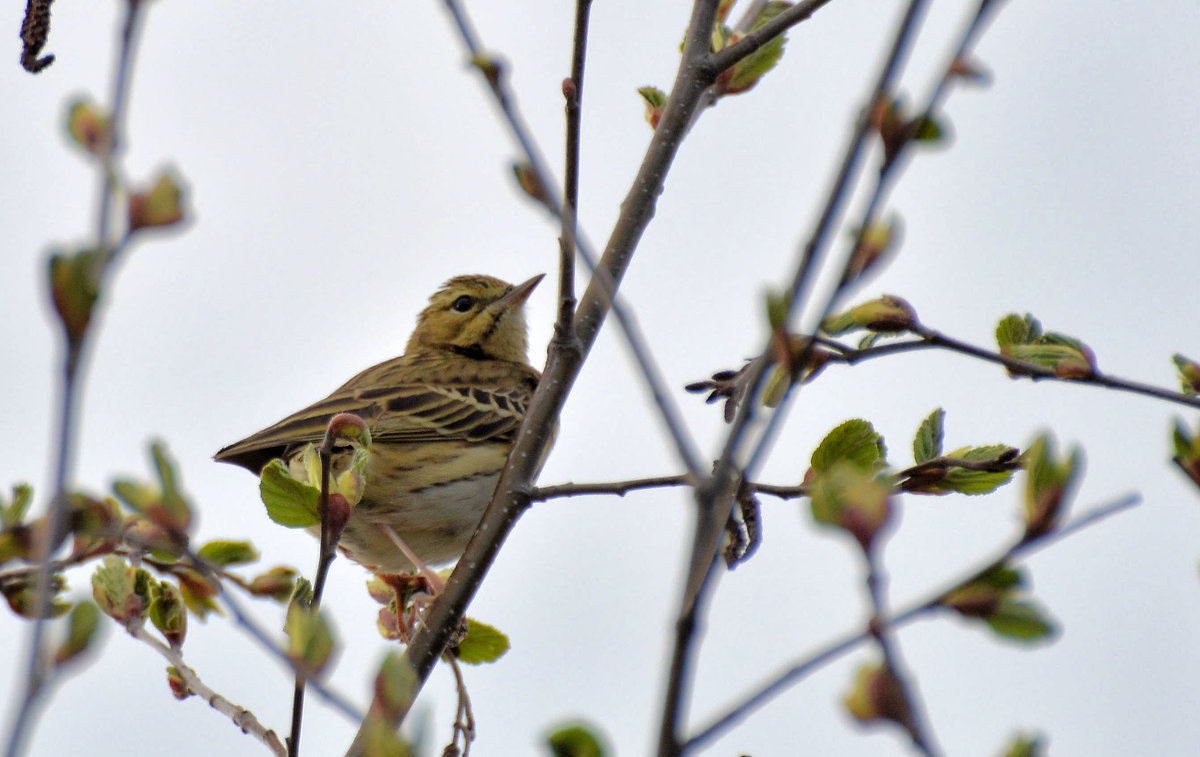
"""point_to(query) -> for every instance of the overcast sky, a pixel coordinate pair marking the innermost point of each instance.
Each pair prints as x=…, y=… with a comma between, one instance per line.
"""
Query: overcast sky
x=343, y=162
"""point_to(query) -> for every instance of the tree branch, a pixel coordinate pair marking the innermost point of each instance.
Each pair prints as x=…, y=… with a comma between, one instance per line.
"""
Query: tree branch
x=38, y=668
x=930, y=338
x=511, y=497
x=754, y=40
x=790, y=675
x=714, y=500
x=564, y=327
x=241, y=717
x=880, y=629
x=642, y=355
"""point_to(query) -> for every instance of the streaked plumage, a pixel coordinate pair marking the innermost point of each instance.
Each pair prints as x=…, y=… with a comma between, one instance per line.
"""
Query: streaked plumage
x=442, y=417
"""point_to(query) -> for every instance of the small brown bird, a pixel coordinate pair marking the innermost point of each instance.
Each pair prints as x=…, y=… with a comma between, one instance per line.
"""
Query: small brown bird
x=442, y=416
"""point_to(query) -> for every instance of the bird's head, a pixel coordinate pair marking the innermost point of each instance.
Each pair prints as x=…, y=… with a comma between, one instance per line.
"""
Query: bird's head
x=477, y=316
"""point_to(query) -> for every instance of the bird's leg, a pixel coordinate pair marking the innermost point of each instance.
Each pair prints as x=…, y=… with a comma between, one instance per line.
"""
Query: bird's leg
x=436, y=584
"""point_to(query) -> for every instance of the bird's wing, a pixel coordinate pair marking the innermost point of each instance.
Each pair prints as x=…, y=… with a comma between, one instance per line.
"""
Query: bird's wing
x=401, y=413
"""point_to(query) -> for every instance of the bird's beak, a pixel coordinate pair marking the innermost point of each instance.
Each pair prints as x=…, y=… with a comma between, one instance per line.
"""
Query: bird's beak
x=516, y=296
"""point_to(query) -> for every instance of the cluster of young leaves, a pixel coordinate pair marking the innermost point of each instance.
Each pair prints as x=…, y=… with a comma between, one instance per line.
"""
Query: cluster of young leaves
x=851, y=483
x=145, y=524
x=852, y=487
x=1022, y=338
x=740, y=77
x=401, y=597
x=310, y=639
x=884, y=316
x=76, y=276
x=997, y=598
x=295, y=500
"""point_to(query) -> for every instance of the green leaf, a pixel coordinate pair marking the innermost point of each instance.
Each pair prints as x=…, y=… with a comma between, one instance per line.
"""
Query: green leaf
x=1023, y=745
x=161, y=204
x=747, y=72
x=197, y=591
x=289, y=502
x=888, y=314
x=74, y=289
x=927, y=129
x=397, y=684
x=655, y=100
x=303, y=592
x=167, y=612
x=1188, y=373
x=976, y=482
x=22, y=597
x=13, y=513
x=1020, y=620
x=1182, y=440
x=381, y=740
x=88, y=126
x=113, y=586
x=173, y=500
x=1047, y=485
x=1065, y=356
x=310, y=638
x=278, y=583
x=851, y=498
x=226, y=553
x=575, y=740
x=854, y=441
x=483, y=643
x=1015, y=329
x=927, y=444
x=877, y=694
x=81, y=631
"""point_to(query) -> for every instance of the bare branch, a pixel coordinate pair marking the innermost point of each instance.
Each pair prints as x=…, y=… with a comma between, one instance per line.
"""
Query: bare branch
x=912, y=719
x=241, y=717
x=930, y=338
x=573, y=94
x=642, y=355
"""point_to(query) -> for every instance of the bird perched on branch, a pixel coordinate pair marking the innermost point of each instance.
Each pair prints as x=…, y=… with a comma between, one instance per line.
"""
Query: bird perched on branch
x=442, y=419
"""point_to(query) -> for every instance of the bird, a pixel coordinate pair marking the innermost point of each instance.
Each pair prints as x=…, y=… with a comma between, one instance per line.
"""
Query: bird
x=442, y=419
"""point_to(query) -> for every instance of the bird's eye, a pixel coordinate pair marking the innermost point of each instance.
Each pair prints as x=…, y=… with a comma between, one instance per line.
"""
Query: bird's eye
x=463, y=304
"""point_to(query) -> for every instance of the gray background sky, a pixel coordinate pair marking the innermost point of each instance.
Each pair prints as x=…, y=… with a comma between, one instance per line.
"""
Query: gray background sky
x=343, y=163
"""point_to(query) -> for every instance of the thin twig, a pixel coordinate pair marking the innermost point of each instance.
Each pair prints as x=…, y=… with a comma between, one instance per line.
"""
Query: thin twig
x=748, y=45
x=930, y=339
x=241, y=717
x=330, y=534
x=880, y=629
x=256, y=632
x=650, y=373
x=619, y=488
x=564, y=327
x=464, y=717
x=780, y=681
x=38, y=668
x=242, y=618
x=998, y=464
